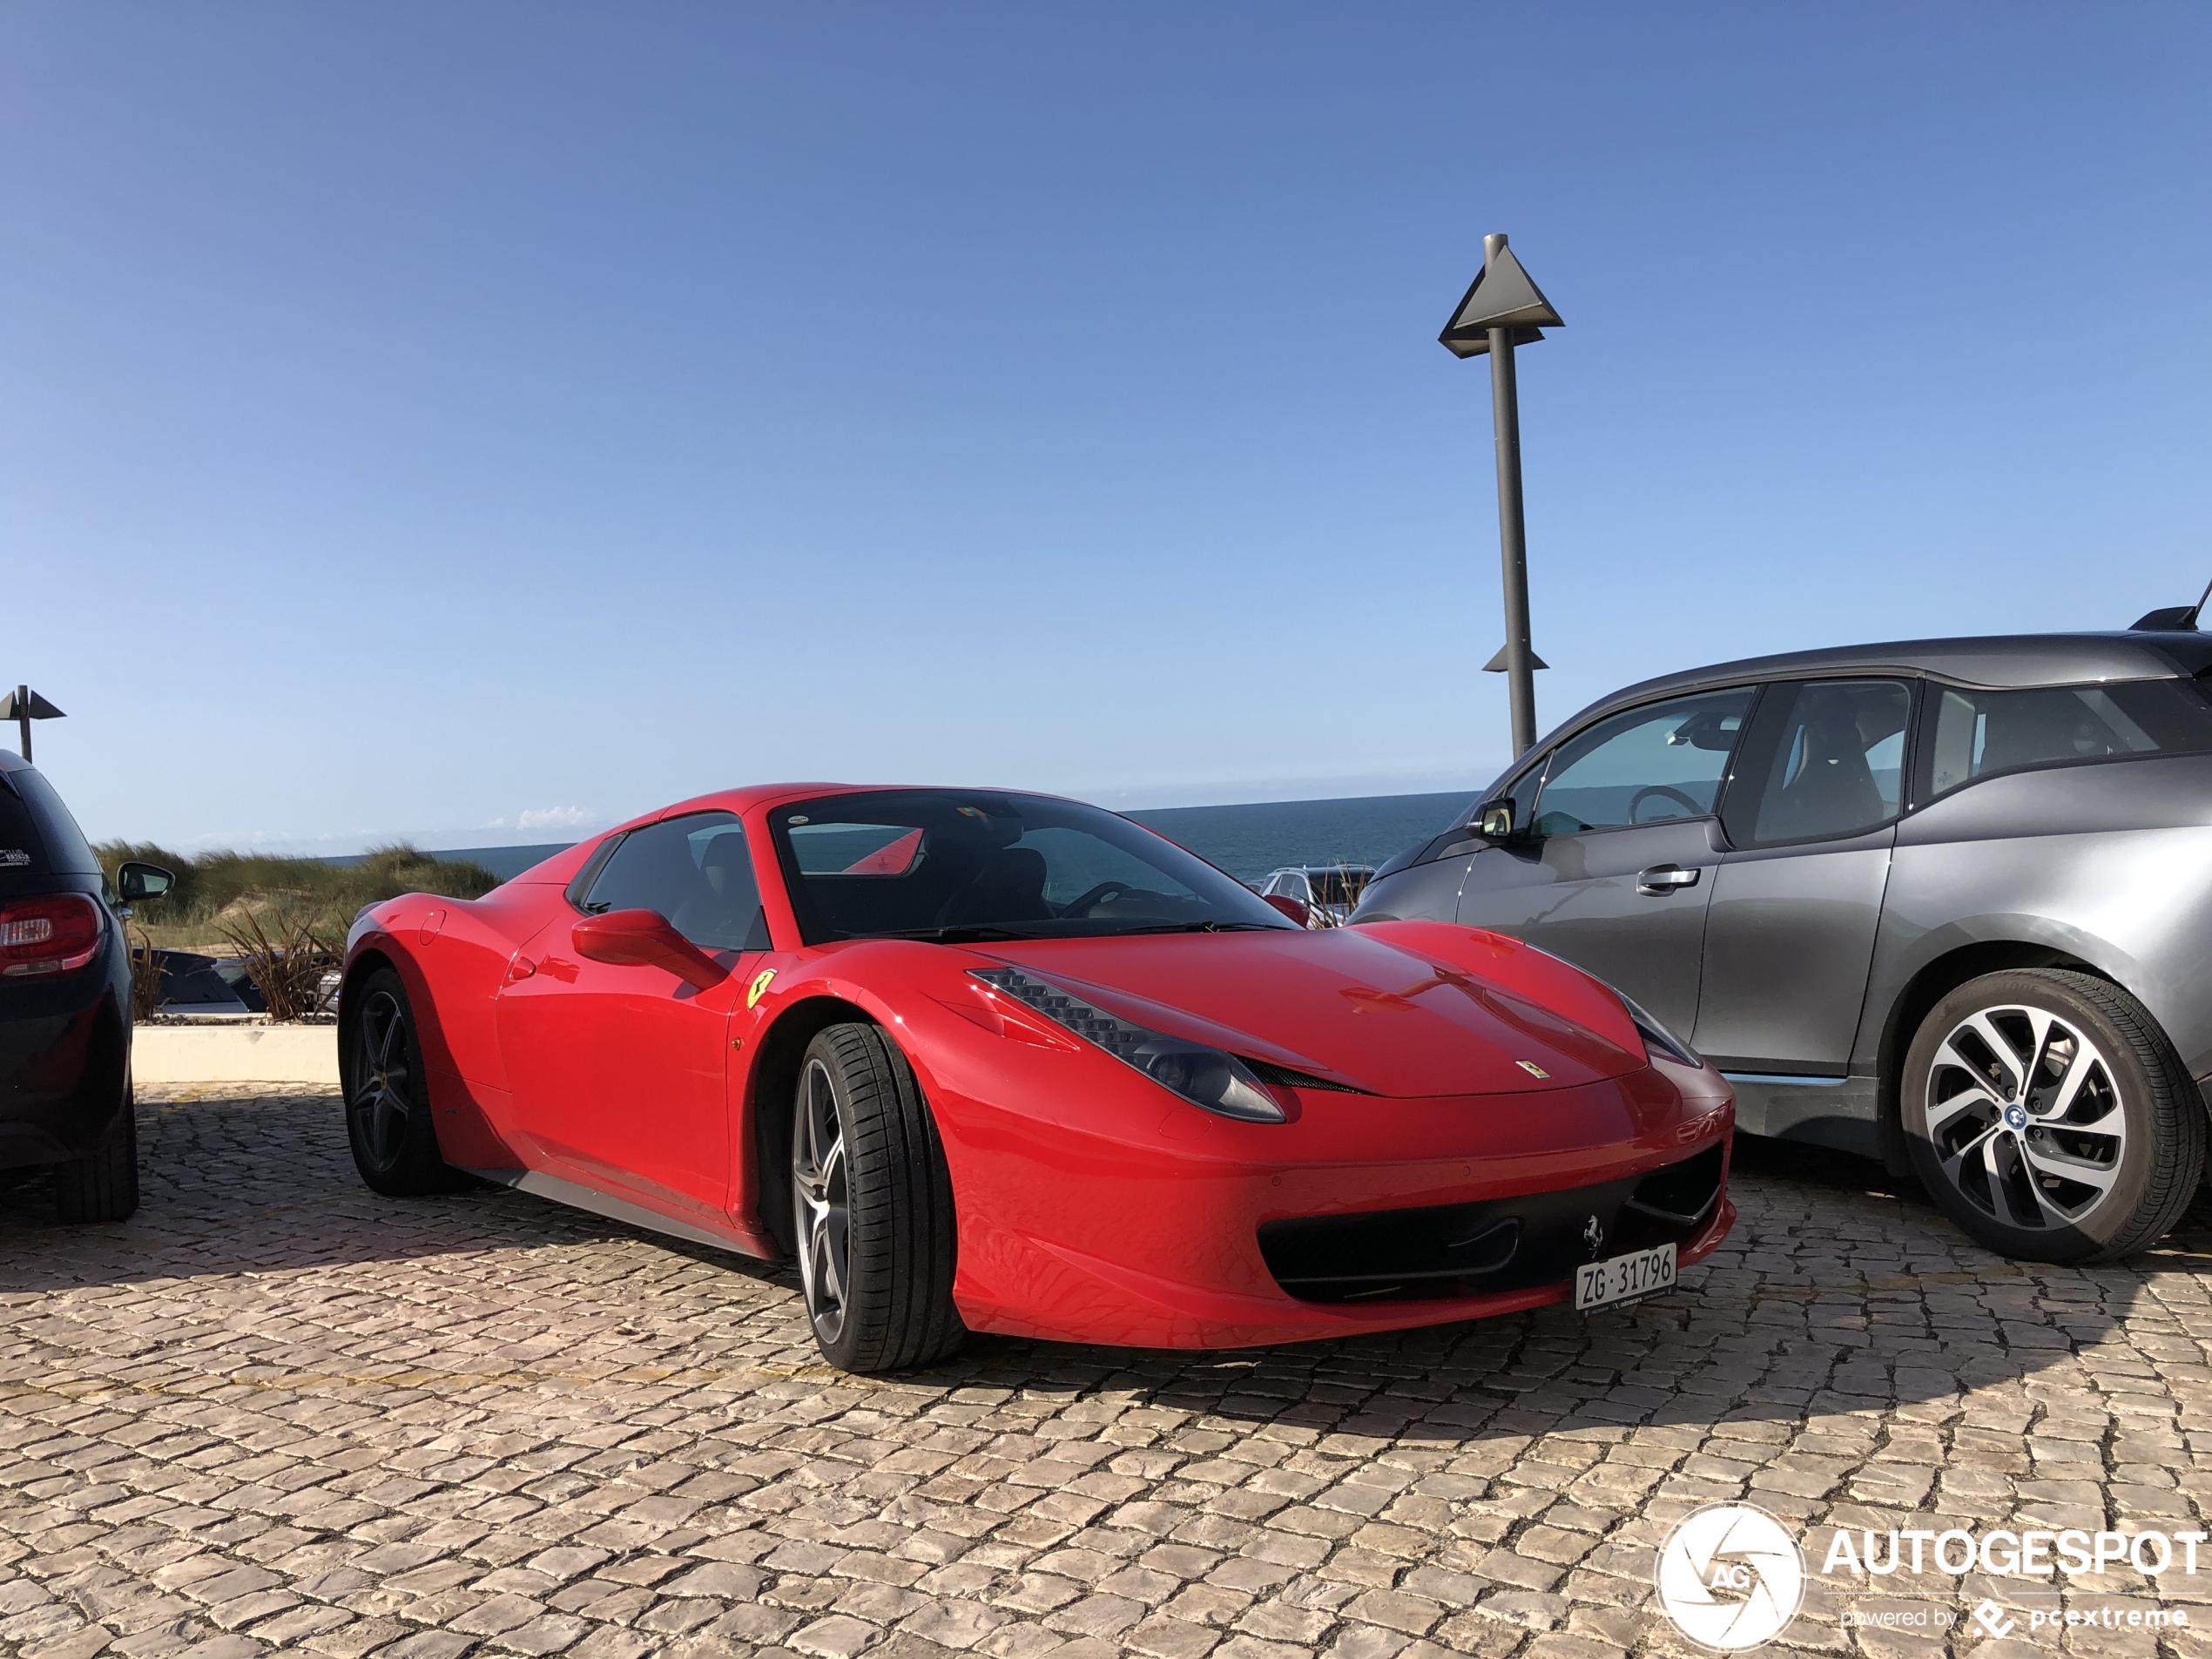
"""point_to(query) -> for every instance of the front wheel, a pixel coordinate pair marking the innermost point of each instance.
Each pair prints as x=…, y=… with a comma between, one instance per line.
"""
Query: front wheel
x=388, y=1098
x=873, y=1206
x=2048, y=1115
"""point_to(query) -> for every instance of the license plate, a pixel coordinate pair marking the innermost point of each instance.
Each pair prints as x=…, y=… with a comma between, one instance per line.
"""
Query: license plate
x=1621, y=1279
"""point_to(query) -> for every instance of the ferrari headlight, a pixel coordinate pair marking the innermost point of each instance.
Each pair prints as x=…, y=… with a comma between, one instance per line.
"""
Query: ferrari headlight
x=1207, y=1077
x=1657, y=1037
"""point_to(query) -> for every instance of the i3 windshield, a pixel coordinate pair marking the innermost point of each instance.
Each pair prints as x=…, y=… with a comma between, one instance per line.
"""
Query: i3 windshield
x=953, y=865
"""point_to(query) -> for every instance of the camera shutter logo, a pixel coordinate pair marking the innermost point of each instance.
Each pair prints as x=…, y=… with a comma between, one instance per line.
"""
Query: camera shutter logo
x=1730, y=1577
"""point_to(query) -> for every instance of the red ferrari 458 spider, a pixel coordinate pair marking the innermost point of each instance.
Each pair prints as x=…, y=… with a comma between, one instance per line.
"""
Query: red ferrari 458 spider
x=992, y=1061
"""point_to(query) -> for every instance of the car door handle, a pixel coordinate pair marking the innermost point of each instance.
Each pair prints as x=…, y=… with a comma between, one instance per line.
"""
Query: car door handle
x=1662, y=879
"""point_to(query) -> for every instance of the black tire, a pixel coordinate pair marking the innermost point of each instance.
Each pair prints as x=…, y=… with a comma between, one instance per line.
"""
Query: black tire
x=2048, y=1115
x=388, y=1102
x=872, y=1205
x=103, y=1184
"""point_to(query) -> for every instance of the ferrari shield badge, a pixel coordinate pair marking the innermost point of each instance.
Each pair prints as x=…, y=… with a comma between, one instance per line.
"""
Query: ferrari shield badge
x=758, y=988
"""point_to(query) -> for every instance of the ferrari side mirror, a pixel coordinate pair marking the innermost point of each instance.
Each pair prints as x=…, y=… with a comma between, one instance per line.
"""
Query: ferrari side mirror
x=645, y=939
x=1291, y=907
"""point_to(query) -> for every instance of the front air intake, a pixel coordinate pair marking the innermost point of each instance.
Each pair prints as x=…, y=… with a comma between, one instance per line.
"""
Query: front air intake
x=1442, y=1251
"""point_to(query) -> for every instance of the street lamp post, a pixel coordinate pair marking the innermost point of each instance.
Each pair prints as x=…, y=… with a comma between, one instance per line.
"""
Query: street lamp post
x=1503, y=309
x=23, y=706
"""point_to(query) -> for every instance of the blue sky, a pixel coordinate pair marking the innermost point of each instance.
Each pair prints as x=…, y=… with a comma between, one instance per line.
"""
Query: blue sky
x=484, y=422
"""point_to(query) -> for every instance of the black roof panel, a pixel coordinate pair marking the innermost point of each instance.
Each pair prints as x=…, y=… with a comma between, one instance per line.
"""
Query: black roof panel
x=1993, y=661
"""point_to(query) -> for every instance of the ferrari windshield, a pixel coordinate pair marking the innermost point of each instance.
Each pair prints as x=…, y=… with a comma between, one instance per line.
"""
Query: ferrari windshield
x=950, y=865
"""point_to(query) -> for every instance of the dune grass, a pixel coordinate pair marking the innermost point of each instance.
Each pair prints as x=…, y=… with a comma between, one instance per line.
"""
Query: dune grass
x=217, y=892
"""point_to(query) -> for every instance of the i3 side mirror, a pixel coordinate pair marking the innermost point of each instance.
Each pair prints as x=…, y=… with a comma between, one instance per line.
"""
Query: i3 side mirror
x=1290, y=908
x=645, y=939
x=135, y=883
x=1493, y=820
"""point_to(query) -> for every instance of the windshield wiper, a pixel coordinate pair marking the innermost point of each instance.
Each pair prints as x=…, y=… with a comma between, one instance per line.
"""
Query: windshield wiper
x=1205, y=928
x=955, y=934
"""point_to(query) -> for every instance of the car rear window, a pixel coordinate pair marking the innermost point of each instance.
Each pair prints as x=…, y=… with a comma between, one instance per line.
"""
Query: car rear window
x=38, y=836
x=1980, y=732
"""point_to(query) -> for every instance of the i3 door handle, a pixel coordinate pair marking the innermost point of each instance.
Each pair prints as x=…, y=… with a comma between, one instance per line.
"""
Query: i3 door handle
x=1661, y=878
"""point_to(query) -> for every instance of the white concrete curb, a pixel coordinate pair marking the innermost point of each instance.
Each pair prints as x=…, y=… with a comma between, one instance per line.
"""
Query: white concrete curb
x=235, y=1053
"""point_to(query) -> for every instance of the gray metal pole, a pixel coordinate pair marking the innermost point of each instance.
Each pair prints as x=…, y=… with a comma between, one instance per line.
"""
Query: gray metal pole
x=1512, y=534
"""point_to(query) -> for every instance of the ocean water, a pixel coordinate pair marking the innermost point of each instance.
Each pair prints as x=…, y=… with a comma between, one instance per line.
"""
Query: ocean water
x=1247, y=840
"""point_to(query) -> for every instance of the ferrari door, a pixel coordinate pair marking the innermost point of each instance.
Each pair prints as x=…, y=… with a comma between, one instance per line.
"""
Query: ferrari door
x=620, y=1072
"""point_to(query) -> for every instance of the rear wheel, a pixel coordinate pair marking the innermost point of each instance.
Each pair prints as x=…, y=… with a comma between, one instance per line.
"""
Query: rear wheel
x=103, y=1184
x=2048, y=1115
x=873, y=1206
x=388, y=1102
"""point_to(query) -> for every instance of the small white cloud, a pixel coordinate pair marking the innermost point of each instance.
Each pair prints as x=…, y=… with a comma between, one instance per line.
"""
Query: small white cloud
x=538, y=817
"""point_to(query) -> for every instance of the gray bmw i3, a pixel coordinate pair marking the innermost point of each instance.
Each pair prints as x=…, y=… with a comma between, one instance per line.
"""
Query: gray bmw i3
x=1946, y=902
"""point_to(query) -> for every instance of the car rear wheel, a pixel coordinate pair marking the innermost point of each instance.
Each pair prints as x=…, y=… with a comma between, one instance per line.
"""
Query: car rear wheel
x=2048, y=1115
x=103, y=1184
x=388, y=1102
x=873, y=1206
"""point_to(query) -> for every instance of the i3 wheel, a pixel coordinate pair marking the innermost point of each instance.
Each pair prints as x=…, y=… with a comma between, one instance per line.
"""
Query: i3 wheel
x=871, y=1206
x=2049, y=1116
x=387, y=1104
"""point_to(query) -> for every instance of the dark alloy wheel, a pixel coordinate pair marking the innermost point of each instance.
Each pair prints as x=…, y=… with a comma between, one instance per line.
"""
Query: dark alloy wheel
x=2049, y=1116
x=388, y=1112
x=871, y=1206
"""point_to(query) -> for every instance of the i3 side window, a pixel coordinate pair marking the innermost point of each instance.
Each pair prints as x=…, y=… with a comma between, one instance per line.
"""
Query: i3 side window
x=1610, y=871
x=1811, y=816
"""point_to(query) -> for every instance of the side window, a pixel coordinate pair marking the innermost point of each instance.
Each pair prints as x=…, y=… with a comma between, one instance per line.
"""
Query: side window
x=697, y=871
x=1827, y=760
x=580, y=885
x=1663, y=761
x=1978, y=732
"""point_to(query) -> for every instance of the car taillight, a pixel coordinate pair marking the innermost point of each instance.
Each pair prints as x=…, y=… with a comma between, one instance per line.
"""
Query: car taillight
x=53, y=934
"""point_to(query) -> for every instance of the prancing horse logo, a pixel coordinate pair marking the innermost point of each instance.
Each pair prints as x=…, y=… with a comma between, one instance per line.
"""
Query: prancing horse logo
x=1593, y=1235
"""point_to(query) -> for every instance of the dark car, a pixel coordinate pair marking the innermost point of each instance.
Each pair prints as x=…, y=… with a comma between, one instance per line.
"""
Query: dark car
x=64, y=1003
x=1946, y=902
x=191, y=986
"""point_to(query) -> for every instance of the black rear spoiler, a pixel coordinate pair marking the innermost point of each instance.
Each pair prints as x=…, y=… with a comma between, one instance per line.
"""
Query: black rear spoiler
x=2175, y=619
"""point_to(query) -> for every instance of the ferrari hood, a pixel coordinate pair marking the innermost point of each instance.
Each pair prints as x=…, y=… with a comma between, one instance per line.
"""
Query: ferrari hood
x=1363, y=1006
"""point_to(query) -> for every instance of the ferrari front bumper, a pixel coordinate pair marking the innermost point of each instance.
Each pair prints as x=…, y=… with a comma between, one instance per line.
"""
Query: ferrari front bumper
x=1365, y=1214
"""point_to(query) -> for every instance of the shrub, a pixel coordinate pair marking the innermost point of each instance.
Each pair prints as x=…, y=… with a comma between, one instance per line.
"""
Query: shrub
x=286, y=966
x=215, y=889
x=146, y=978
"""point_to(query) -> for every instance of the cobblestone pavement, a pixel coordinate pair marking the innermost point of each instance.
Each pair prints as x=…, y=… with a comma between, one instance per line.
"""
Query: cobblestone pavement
x=277, y=1412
